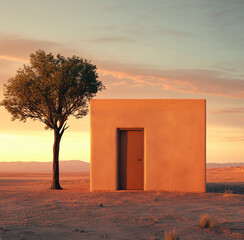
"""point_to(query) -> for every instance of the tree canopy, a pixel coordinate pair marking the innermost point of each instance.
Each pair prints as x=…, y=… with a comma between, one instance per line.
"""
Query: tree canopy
x=51, y=89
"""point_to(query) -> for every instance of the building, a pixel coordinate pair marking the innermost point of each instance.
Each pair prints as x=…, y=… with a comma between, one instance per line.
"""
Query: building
x=148, y=144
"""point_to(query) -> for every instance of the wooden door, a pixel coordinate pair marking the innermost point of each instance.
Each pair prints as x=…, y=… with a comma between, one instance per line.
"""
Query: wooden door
x=131, y=160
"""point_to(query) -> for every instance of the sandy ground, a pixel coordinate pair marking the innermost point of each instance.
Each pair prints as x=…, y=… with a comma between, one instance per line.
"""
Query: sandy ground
x=28, y=210
x=227, y=174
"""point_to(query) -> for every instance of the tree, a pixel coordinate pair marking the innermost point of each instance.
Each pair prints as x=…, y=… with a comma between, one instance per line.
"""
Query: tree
x=50, y=90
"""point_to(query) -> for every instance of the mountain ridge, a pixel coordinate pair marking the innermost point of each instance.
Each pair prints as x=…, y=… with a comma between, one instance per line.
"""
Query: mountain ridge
x=68, y=166
x=223, y=165
x=44, y=167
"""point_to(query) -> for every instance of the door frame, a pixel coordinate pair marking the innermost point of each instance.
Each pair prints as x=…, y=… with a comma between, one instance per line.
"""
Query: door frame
x=119, y=156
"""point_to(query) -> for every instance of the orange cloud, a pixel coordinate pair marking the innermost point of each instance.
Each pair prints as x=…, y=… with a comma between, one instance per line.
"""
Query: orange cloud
x=12, y=58
x=229, y=110
x=198, y=81
x=239, y=139
x=191, y=81
x=15, y=48
x=116, y=84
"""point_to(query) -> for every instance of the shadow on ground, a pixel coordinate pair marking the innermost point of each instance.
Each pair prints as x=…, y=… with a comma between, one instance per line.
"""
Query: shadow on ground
x=236, y=188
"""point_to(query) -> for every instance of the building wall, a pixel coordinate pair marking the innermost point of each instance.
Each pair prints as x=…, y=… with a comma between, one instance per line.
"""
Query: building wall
x=174, y=142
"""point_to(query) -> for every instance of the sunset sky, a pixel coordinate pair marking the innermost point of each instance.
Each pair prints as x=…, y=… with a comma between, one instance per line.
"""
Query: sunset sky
x=142, y=49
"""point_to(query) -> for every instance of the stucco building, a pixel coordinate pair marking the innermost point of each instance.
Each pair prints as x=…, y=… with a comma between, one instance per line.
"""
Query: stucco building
x=148, y=144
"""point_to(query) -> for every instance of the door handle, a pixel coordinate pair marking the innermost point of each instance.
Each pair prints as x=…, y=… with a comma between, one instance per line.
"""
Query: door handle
x=139, y=159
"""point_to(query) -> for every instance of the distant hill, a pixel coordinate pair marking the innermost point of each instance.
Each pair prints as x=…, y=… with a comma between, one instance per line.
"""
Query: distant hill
x=44, y=167
x=222, y=165
x=72, y=166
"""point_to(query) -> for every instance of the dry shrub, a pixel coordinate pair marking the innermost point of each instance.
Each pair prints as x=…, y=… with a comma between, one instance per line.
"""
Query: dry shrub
x=207, y=221
x=228, y=193
x=171, y=235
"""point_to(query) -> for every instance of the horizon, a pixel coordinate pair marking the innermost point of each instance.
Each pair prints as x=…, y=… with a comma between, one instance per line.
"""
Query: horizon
x=160, y=50
x=235, y=164
x=78, y=166
x=88, y=162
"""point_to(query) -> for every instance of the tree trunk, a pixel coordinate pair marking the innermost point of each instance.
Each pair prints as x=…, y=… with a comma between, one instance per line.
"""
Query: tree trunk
x=57, y=139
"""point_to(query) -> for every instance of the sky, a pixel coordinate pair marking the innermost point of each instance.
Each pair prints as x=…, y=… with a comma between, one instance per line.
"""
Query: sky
x=158, y=49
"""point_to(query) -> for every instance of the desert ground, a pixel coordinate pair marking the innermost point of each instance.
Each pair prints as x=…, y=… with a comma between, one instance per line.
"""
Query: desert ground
x=29, y=210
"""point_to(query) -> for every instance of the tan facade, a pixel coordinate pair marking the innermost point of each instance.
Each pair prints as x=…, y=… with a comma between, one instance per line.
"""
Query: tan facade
x=151, y=144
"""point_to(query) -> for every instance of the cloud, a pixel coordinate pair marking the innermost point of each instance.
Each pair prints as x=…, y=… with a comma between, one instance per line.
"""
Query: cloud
x=119, y=83
x=198, y=81
x=229, y=110
x=15, y=48
x=4, y=64
x=113, y=7
x=114, y=39
x=235, y=139
x=13, y=59
x=110, y=27
x=173, y=33
x=134, y=29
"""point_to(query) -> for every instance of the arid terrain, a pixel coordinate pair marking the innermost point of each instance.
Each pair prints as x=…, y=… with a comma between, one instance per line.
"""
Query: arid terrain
x=28, y=210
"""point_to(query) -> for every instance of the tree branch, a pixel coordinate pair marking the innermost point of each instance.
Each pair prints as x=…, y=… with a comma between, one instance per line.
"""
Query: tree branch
x=64, y=128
